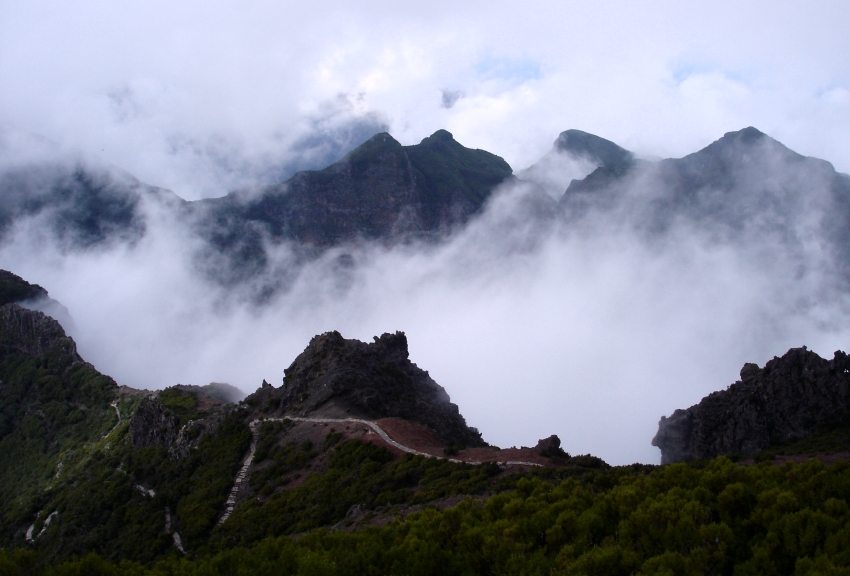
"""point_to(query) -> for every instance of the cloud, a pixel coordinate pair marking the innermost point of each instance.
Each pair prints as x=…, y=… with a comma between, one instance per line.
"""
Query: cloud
x=450, y=97
x=590, y=328
x=165, y=91
x=588, y=332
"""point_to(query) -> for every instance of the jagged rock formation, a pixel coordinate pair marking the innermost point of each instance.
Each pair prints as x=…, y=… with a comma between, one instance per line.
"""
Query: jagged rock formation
x=789, y=399
x=32, y=332
x=550, y=447
x=153, y=425
x=14, y=289
x=177, y=417
x=371, y=381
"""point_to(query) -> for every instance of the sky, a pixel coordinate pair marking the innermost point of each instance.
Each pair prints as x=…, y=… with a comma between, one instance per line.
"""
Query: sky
x=204, y=97
x=590, y=335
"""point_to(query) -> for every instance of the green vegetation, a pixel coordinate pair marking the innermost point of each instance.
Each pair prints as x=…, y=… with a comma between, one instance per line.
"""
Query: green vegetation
x=184, y=405
x=104, y=505
x=285, y=459
x=358, y=473
x=719, y=519
x=52, y=410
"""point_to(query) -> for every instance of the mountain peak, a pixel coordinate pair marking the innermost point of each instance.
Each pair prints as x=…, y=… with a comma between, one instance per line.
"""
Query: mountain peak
x=439, y=136
x=746, y=135
x=586, y=145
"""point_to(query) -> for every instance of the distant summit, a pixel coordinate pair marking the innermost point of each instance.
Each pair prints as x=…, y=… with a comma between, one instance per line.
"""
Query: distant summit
x=599, y=150
x=575, y=155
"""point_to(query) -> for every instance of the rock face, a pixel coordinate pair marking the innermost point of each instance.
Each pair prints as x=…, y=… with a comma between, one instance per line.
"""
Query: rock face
x=153, y=425
x=32, y=332
x=789, y=399
x=371, y=381
x=381, y=191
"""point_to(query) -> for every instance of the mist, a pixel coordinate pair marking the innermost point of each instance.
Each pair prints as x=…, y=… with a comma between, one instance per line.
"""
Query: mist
x=590, y=328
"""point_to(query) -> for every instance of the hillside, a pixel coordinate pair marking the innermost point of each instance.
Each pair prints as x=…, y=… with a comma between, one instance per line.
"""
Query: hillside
x=359, y=463
x=130, y=474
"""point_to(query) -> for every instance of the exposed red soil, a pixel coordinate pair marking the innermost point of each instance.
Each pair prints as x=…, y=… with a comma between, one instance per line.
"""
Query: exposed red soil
x=412, y=435
x=420, y=438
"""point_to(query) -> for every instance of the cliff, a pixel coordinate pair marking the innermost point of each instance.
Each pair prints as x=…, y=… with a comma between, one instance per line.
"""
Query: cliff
x=791, y=398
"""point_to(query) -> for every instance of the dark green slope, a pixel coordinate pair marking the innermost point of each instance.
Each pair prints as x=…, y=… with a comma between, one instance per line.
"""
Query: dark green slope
x=52, y=405
x=73, y=478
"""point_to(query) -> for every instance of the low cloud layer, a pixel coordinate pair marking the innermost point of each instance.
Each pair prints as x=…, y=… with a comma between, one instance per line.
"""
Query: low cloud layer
x=590, y=329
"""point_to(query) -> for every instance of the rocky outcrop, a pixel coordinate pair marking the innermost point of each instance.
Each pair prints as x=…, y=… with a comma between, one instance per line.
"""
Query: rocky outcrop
x=32, y=332
x=791, y=398
x=153, y=425
x=371, y=381
x=156, y=424
x=550, y=447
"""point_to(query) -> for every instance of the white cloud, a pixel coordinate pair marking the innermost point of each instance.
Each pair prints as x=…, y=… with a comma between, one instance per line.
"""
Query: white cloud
x=590, y=337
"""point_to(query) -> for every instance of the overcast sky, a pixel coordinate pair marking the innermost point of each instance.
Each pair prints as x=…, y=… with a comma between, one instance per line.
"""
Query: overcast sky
x=202, y=97
x=591, y=336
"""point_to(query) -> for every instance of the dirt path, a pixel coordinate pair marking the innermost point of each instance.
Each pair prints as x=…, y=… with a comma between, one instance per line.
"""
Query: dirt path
x=254, y=425
x=114, y=404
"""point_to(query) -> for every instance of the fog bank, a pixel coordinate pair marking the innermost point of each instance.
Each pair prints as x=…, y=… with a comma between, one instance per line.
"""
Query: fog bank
x=587, y=329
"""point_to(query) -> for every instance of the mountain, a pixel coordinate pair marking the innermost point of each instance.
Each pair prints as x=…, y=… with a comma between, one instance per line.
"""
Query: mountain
x=791, y=398
x=80, y=206
x=745, y=188
x=51, y=404
x=14, y=289
x=598, y=150
x=743, y=182
x=380, y=191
